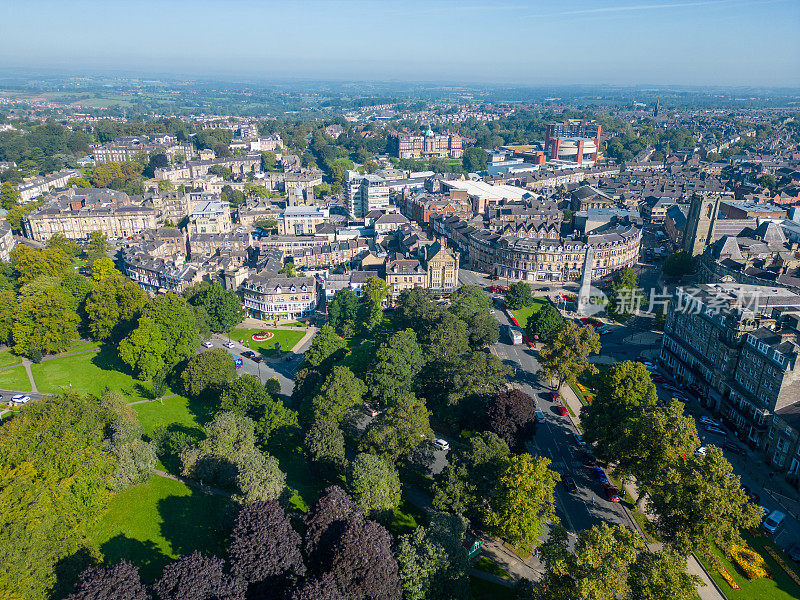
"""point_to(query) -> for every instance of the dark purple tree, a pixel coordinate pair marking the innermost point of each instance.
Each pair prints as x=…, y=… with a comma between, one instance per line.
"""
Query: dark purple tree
x=198, y=577
x=511, y=415
x=323, y=588
x=265, y=550
x=362, y=564
x=325, y=523
x=116, y=582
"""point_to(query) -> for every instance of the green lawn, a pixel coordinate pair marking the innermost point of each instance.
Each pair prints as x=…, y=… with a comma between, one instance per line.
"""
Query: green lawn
x=176, y=410
x=487, y=565
x=7, y=359
x=406, y=518
x=305, y=485
x=84, y=346
x=287, y=338
x=522, y=314
x=153, y=522
x=15, y=378
x=89, y=373
x=780, y=587
x=485, y=590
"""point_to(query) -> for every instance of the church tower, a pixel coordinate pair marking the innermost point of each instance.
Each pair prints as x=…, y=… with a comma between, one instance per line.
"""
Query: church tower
x=700, y=223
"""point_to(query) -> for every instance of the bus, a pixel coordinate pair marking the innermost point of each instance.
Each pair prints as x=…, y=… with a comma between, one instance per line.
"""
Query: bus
x=513, y=335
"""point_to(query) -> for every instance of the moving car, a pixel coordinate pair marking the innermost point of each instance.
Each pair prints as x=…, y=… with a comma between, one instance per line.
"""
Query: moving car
x=228, y=344
x=441, y=444
x=538, y=416
x=569, y=483
x=613, y=493
x=208, y=344
x=561, y=410
x=20, y=399
x=773, y=522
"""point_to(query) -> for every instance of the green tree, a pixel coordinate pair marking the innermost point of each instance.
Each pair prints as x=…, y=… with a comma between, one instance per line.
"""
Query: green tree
x=8, y=304
x=30, y=263
x=79, y=182
x=325, y=345
x=223, y=307
x=341, y=392
x=662, y=576
x=373, y=484
x=767, y=180
x=399, y=429
x=625, y=296
x=398, y=361
x=103, y=268
x=16, y=214
x=60, y=242
x=343, y=310
x=474, y=159
x=596, y=569
x=268, y=160
x=678, y=263
x=524, y=500
x=370, y=308
x=259, y=477
x=625, y=393
x=544, y=324
x=98, y=247
x=46, y=323
x=519, y=295
x=111, y=306
x=324, y=448
x=177, y=324
x=9, y=195
x=144, y=349
x=207, y=372
x=471, y=305
x=52, y=491
x=566, y=358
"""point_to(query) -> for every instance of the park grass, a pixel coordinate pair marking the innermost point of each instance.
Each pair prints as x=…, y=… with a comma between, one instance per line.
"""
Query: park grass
x=487, y=565
x=175, y=410
x=522, y=314
x=486, y=590
x=158, y=520
x=83, y=346
x=288, y=339
x=8, y=359
x=89, y=373
x=15, y=378
x=406, y=518
x=780, y=587
x=303, y=484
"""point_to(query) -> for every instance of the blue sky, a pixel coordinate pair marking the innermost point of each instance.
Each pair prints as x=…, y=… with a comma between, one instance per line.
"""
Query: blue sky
x=538, y=42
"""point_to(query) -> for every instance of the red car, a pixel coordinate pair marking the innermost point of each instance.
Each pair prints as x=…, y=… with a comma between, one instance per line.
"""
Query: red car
x=562, y=410
x=613, y=494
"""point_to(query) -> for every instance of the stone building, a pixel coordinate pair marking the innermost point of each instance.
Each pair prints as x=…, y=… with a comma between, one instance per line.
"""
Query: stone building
x=269, y=296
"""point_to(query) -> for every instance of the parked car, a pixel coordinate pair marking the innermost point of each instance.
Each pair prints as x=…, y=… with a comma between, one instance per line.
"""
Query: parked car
x=441, y=444
x=208, y=344
x=249, y=354
x=701, y=451
x=735, y=448
x=20, y=399
x=613, y=493
x=708, y=421
x=670, y=388
x=600, y=474
x=754, y=498
x=569, y=483
x=774, y=521
x=562, y=411
x=794, y=552
x=228, y=344
x=588, y=458
x=538, y=416
x=714, y=429
x=578, y=439
x=258, y=358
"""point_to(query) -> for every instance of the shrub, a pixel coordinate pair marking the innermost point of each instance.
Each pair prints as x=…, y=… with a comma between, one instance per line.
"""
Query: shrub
x=729, y=578
x=750, y=561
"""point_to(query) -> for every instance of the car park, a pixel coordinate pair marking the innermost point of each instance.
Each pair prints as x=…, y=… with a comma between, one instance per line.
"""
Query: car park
x=441, y=444
x=20, y=399
x=613, y=494
x=538, y=416
x=208, y=344
x=562, y=411
x=774, y=521
x=569, y=483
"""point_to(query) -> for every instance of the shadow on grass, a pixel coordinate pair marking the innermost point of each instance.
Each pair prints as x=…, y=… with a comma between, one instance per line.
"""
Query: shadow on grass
x=194, y=522
x=143, y=554
x=108, y=360
x=67, y=571
x=204, y=408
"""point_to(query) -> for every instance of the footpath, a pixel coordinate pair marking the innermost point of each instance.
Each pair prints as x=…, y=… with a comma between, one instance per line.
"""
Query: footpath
x=710, y=590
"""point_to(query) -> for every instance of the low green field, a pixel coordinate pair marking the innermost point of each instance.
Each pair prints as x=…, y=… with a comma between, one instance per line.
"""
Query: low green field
x=82, y=346
x=89, y=373
x=175, y=410
x=15, y=378
x=7, y=359
x=287, y=338
x=522, y=314
x=487, y=565
x=153, y=522
x=780, y=587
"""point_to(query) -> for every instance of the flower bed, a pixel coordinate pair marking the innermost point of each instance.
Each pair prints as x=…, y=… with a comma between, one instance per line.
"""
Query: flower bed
x=729, y=578
x=750, y=561
x=262, y=336
x=782, y=563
